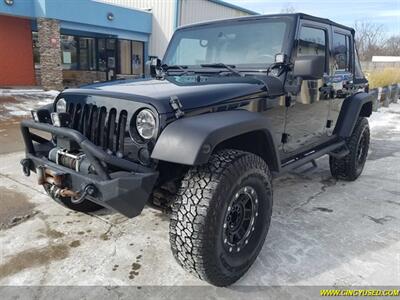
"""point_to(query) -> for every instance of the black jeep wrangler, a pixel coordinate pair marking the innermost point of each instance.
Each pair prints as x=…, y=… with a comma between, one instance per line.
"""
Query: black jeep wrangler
x=232, y=104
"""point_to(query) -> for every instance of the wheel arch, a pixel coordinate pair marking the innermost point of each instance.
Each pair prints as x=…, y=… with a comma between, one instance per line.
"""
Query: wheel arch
x=355, y=106
x=366, y=110
x=192, y=140
x=257, y=142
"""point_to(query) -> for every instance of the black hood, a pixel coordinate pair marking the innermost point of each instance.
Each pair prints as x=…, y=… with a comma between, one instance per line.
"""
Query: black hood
x=193, y=91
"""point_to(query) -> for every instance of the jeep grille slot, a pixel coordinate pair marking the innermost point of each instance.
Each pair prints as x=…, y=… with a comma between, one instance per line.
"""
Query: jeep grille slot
x=121, y=132
x=95, y=121
x=111, y=129
x=74, y=111
x=82, y=118
x=106, y=130
x=100, y=140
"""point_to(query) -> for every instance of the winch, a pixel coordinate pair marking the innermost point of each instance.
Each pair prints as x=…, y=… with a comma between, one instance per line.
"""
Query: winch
x=74, y=160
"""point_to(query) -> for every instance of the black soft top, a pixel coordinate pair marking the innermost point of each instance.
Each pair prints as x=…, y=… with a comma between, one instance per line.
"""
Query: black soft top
x=260, y=17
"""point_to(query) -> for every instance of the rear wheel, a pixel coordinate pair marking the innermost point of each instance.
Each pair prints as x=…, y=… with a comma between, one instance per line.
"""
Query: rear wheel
x=85, y=206
x=350, y=167
x=221, y=216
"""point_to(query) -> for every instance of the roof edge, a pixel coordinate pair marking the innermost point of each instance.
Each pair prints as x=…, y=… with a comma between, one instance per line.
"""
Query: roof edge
x=260, y=16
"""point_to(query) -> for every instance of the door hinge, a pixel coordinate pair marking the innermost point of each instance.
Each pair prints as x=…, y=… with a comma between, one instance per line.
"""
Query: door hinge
x=176, y=106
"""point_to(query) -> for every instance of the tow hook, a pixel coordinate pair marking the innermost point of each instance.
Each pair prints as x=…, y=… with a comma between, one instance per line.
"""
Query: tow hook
x=26, y=166
x=89, y=190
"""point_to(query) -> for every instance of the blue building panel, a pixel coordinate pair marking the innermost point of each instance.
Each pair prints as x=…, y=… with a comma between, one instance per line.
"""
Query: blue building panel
x=95, y=14
x=19, y=8
x=72, y=28
x=86, y=15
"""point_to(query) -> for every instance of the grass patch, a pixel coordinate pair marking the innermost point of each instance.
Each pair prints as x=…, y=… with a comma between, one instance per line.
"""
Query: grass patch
x=381, y=78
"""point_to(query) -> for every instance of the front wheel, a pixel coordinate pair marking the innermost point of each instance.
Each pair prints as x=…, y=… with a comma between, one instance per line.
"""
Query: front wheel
x=221, y=216
x=350, y=167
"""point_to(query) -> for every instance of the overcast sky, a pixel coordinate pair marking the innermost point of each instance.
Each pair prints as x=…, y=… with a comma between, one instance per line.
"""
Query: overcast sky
x=385, y=12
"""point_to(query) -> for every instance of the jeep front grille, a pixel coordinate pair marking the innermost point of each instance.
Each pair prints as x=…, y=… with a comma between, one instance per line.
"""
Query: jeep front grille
x=105, y=128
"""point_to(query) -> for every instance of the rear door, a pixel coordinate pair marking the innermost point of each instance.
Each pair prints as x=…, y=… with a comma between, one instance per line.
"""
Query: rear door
x=341, y=73
x=306, y=118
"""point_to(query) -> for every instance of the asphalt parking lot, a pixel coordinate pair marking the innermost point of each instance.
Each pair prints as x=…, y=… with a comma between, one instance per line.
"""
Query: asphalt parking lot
x=323, y=231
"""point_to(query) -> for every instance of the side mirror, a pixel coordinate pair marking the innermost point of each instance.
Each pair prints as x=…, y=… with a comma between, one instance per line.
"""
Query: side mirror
x=155, y=65
x=310, y=67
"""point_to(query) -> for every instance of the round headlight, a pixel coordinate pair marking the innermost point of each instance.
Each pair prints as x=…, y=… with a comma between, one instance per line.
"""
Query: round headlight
x=61, y=106
x=146, y=124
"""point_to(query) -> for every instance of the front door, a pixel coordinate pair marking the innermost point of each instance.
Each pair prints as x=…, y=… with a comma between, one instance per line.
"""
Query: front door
x=107, y=59
x=306, y=118
x=111, y=50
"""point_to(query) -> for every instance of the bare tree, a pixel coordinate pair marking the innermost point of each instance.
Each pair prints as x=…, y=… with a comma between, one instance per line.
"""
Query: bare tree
x=370, y=39
x=392, y=46
x=288, y=8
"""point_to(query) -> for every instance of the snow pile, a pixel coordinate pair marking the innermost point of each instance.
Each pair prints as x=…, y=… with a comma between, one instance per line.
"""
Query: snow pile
x=386, y=117
x=28, y=92
x=19, y=102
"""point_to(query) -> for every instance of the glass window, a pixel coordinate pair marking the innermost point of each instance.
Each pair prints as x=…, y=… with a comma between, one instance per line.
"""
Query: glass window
x=102, y=61
x=312, y=41
x=229, y=44
x=69, y=48
x=137, y=58
x=36, y=53
x=111, y=44
x=130, y=57
x=125, y=56
x=341, y=51
x=187, y=47
x=87, y=54
x=78, y=53
x=92, y=54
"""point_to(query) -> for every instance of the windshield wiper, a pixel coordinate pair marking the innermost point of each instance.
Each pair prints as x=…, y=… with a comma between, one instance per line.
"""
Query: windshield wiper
x=182, y=68
x=222, y=65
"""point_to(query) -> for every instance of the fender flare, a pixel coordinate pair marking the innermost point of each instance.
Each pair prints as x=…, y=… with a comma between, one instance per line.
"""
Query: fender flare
x=352, y=107
x=191, y=140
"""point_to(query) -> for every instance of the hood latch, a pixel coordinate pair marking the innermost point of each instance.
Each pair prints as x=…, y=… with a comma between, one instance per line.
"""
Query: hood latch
x=176, y=106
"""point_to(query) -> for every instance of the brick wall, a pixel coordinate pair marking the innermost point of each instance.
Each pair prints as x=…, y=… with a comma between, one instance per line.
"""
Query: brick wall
x=50, y=57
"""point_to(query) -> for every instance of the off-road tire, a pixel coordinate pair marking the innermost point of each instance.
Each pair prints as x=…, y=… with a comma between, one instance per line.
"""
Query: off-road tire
x=200, y=212
x=85, y=206
x=351, y=166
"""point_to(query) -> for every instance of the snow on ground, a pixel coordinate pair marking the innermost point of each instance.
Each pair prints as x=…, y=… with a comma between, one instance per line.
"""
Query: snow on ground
x=19, y=92
x=386, y=117
x=19, y=102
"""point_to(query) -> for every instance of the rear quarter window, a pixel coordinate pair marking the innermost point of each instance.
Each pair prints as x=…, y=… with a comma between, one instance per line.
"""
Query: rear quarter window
x=341, y=51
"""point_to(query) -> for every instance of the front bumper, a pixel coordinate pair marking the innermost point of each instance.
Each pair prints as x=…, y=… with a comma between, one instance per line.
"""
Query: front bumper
x=125, y=191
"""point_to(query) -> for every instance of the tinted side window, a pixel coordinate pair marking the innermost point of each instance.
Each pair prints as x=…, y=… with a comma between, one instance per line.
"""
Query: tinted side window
x=312, y=41
x=341, y=51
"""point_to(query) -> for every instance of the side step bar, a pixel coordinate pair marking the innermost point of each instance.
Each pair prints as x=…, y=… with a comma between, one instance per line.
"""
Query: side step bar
x=308, y=157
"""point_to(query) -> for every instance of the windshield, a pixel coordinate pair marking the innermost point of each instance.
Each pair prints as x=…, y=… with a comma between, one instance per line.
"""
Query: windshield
x=243, y=44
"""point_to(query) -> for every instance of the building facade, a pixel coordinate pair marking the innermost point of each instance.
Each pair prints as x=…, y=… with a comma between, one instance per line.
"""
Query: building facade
x=59, y=43
x=170, y=14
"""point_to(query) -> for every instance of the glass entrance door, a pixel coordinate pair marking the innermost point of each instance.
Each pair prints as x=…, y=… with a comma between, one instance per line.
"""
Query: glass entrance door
x=107, y=49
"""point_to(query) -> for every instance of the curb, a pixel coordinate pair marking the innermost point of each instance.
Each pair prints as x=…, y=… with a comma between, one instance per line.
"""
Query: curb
x=383, y=96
